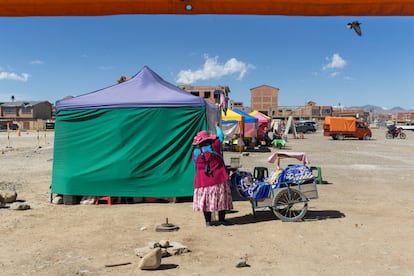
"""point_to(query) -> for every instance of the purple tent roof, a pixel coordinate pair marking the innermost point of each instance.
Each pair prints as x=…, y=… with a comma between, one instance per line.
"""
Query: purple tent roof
x=145, y=89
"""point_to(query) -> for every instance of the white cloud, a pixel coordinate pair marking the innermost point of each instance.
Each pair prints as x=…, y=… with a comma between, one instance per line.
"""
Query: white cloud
x=13, y=76
x=212, y=69
x=334, y=74
x=336, y=62
x=37, y=62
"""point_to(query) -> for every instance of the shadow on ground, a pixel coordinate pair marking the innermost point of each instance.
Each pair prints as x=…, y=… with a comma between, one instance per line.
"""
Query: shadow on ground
x=167, y=266
x=267, y=215
x=323, y=214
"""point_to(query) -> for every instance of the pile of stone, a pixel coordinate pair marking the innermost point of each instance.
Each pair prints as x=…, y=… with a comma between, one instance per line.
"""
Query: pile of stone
x=152, y=254
x=8, y=199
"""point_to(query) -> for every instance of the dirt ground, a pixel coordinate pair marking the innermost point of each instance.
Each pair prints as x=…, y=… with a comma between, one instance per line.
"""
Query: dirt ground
x=362, y=223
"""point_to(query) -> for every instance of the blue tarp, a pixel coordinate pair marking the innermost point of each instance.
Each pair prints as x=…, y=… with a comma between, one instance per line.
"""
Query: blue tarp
x=247, y=118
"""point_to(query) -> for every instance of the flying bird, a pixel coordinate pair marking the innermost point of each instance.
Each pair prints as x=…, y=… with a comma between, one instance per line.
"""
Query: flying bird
x=356, y=26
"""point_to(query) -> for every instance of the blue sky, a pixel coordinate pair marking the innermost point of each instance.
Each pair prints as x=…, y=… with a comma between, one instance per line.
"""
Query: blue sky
x=307, y=58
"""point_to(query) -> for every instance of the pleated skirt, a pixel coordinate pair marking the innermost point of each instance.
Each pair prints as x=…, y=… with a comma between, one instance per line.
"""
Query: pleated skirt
x=213, y=198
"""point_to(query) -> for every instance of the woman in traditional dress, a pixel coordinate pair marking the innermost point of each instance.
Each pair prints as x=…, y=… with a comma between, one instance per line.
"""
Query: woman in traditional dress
x=212, y=191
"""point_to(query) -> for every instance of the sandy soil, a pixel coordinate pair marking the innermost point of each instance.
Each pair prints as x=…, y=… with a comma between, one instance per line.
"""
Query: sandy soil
x=362, y=223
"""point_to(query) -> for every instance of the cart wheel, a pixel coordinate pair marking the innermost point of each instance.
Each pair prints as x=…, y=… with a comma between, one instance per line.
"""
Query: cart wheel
x=289, y=205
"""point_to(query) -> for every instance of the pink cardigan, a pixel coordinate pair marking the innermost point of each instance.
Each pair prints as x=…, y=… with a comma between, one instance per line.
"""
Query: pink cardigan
x=217, y=167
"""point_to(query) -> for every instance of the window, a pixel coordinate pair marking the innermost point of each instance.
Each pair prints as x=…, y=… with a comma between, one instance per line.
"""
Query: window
x=27, y=110
x=326, y=111
x=217, y=96
x=10, y=110
x=195, y=93
x=207, y=94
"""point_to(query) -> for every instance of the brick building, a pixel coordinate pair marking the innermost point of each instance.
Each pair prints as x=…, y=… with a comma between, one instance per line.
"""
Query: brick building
x=26, y=115
x=310, y=111
x=404, y=117
x=264, y=98
x=236, y=105
x=209, y=93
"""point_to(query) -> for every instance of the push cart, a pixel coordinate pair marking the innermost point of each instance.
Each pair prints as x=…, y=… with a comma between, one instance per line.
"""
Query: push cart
x=285, y=192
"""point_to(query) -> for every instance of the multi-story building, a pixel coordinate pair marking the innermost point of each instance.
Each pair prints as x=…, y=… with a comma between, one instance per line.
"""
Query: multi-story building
x=264, y=98
x=236, y=105
x=210, y=93
x=26, y=115
x=348, y=112
x=310, y=111
x=404, y=117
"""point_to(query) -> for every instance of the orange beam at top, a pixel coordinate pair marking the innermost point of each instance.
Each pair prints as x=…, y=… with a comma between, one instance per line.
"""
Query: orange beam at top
x=192, y=7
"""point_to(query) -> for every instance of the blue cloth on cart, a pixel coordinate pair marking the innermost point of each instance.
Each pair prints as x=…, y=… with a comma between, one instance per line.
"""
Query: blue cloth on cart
x=296, y=174
x=243, y=181
x=256, y=190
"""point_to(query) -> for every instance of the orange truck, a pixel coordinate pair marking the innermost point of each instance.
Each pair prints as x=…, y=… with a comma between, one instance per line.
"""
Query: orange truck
x=340, y=128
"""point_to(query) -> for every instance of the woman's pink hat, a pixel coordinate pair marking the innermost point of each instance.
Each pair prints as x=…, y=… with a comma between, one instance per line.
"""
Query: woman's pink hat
x=202, y=136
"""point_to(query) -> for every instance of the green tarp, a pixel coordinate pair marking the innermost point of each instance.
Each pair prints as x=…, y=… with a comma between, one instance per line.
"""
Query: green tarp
x=126, y=152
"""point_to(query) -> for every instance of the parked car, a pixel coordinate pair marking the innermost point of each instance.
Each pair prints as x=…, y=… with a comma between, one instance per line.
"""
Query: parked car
x=305, y=127
x=11, y=126
x=50, y=125
x=406, y=127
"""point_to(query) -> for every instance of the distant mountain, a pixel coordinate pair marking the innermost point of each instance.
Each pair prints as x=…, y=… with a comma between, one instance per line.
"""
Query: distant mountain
x=378, y=109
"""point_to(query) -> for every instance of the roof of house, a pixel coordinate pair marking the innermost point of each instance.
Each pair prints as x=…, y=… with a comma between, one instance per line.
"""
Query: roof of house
x=21, y=103
x=262, y=86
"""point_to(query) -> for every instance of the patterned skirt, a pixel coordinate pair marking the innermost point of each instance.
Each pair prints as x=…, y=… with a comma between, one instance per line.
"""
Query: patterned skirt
x=213, y=198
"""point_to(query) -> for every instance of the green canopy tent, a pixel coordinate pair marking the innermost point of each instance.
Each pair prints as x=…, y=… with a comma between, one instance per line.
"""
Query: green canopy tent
x=130, y=139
